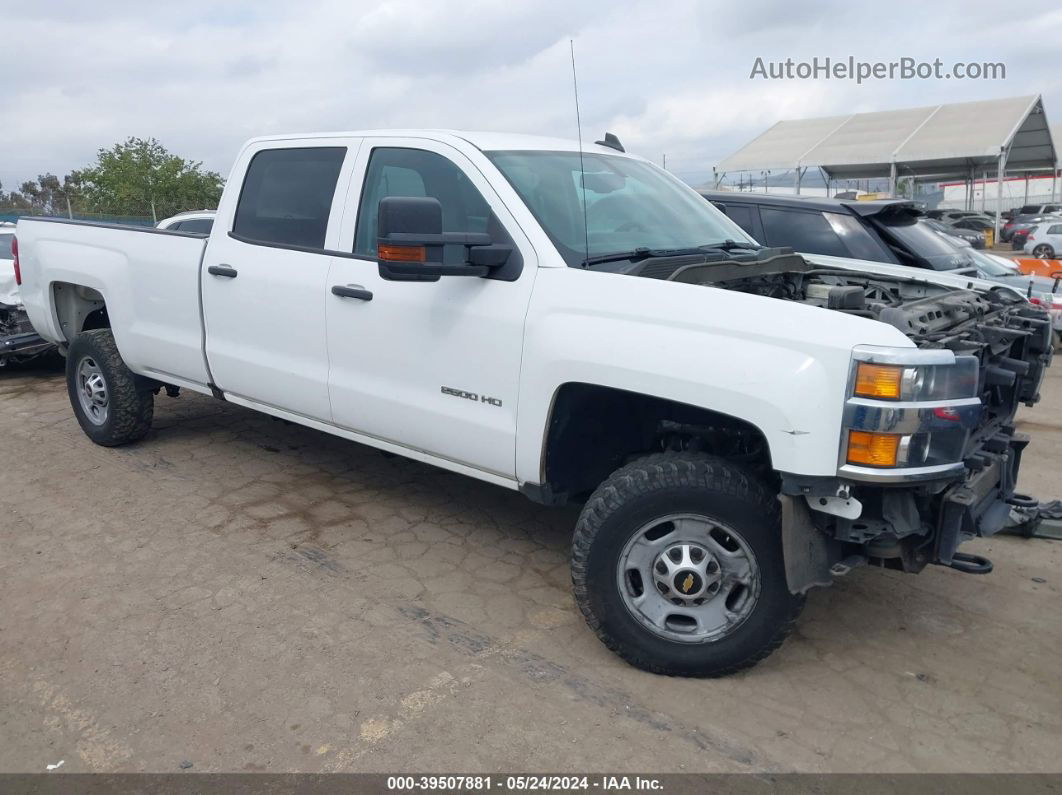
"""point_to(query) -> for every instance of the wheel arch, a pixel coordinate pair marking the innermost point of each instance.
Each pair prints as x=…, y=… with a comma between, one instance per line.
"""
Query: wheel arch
x=78, y=308
x=593, y=429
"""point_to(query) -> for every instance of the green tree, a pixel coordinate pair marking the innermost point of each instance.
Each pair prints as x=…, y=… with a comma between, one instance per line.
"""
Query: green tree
x=140, y=177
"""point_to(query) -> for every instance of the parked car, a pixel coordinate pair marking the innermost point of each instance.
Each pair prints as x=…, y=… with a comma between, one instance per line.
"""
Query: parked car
x=1040, y=209
x=18, y=340
x=974, y=223
x=1045, y=242
x=1021, y=224
x=195, y=221
x=948, y=215
x=740, y=423
x=879, y=231
x=967, y=237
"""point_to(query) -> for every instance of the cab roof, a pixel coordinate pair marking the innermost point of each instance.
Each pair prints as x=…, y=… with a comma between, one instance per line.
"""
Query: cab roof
x=484, y=141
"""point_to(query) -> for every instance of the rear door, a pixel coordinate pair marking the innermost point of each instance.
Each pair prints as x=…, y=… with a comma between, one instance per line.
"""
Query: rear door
x=264, y=277
x=432, y=366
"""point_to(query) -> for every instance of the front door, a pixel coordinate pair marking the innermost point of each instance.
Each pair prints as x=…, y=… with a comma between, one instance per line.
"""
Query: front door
x=264, y=282
x=433, y=366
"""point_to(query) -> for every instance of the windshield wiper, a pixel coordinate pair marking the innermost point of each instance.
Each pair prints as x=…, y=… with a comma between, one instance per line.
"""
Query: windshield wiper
x=731, y=245
x=637, y=254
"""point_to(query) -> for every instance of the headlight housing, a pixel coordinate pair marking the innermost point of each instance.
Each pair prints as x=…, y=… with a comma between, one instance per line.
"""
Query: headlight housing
x=908, y=413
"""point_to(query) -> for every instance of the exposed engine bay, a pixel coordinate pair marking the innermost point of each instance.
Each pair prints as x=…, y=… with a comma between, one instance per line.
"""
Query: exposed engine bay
x=904, y=525
x=931, y=315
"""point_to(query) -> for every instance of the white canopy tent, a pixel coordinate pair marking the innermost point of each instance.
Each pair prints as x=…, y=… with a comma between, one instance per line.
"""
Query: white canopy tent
x=964, y=140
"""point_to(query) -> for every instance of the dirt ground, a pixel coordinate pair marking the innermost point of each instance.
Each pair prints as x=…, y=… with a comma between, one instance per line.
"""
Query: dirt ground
x=238, y=594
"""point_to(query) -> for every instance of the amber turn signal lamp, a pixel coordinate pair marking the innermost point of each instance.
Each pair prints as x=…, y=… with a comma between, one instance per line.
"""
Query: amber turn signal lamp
x=873, y=449
x=392, y=253
x=878, y=381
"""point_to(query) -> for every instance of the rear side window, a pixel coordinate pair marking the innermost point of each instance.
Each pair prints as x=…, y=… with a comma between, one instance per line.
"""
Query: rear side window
x=860, y=243
x=742, y=216
x=1054, y=230
x=5, y=246
x=806, y=232
x=415, y=172
x=287, y=196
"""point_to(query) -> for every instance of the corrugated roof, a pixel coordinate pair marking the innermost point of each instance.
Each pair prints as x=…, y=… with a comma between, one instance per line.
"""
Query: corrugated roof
x=937, y=140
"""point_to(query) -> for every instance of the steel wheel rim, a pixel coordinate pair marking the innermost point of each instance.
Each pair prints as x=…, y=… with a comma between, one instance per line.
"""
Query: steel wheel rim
x=709, y=572
x=92, y=391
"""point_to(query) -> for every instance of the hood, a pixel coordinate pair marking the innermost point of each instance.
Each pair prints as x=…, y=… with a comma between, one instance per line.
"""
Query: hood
x=916, y=274
x=1020, y=281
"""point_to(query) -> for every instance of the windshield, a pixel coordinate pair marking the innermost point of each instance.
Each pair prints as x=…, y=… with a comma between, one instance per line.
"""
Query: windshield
x=630, y=204
x=929, y=246
x=987, y=265
x=5, y=245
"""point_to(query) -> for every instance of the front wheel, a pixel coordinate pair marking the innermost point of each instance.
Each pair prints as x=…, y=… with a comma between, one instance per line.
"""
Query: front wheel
x=677, y=566
x=107, y=402
x=1043, y=251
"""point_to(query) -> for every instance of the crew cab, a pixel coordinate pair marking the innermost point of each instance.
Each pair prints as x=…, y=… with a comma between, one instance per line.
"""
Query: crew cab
x=739, y=423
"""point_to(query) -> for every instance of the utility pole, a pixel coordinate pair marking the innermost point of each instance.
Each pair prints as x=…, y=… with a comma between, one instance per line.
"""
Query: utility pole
x=69, y=212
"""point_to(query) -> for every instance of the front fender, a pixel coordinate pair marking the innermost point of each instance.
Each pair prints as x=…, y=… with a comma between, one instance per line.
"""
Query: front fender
x=780, y=366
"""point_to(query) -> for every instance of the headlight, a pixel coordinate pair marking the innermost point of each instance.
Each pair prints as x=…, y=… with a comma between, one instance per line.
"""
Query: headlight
x=917, y=383
x=908, y=413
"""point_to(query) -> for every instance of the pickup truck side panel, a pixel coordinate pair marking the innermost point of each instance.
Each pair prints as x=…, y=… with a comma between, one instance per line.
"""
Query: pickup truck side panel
x=154, y=317
x=750, y=351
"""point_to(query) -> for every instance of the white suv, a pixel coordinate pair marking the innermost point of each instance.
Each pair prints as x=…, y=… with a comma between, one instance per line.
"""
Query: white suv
x=1045, y=242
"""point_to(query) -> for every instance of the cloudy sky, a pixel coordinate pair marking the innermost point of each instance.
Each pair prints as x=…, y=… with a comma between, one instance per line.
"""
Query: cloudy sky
x=668, y=77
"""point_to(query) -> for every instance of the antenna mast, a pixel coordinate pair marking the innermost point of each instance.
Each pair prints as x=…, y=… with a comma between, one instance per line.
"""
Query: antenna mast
x=582, y=168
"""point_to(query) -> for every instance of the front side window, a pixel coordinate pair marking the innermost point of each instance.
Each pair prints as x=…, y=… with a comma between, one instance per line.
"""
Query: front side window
x=287, y=196
x=805, y=232
x=742, y=216
x=416, y=172
x=629, y=204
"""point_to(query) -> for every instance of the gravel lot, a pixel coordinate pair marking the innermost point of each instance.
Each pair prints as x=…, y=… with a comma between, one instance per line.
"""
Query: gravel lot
x=242, y=594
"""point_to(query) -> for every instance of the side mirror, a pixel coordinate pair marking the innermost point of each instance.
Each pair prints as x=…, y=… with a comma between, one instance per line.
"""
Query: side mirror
x=410, y=243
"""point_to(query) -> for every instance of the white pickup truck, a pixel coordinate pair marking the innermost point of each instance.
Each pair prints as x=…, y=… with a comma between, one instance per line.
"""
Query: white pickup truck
x=739, y=423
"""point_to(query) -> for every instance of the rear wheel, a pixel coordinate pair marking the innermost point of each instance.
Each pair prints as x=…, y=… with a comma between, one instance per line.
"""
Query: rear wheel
x=109, y=406
x=677, y=566
x=1043, y=251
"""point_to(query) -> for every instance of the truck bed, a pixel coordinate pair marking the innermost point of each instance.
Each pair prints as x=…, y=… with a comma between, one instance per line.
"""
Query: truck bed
x=149, y=278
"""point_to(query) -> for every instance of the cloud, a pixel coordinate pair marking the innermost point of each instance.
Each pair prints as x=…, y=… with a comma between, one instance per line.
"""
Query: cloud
x=670, y=77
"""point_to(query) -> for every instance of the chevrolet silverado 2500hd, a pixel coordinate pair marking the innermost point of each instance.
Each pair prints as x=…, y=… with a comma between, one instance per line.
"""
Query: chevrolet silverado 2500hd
x=740, y=423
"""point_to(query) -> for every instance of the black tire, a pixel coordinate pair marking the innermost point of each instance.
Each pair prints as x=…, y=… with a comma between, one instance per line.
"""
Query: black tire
x=129, y=408
x=660, y=485
x=1043, y=251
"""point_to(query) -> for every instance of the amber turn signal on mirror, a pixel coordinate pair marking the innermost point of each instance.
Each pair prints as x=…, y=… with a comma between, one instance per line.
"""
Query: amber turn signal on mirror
x=393, y=253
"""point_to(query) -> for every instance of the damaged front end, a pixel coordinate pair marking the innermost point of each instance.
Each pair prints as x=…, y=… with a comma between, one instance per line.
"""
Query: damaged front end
x=929, y=454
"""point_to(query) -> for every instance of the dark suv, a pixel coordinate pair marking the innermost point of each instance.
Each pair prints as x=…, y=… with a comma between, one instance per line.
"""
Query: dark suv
x=886, y=230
